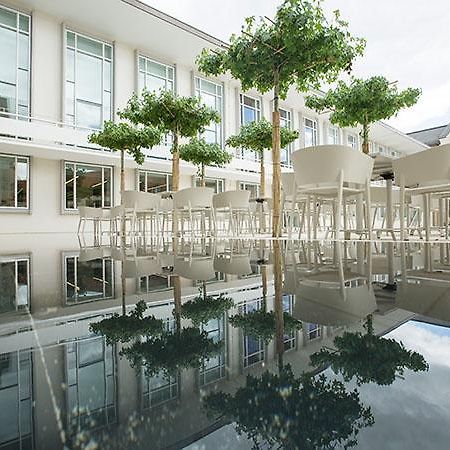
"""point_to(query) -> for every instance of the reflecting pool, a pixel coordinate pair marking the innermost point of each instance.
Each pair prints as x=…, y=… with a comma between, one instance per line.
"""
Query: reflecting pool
x=223, y=344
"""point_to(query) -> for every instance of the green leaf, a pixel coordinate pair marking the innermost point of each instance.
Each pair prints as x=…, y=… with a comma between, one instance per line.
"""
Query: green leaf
x=199, y=152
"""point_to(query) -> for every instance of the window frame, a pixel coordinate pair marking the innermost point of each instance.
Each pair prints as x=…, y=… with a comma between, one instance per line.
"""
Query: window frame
x=355, y=141
x=288, y=148
x=104, y=43
x=336, y=135
x=28, y=33
x=16, y=208
x=220, y=183
x=63, y=177
x=16, y=259
x=167, y=175
x=314, y=129
x=167, y=66
x=219, y=129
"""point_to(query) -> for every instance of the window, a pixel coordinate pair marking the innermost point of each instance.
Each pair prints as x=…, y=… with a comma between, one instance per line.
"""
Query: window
x=88, y=280
x=352, y=141
x=286, y=122
x=14, y=284
x=334, y=135
x=88, y=87
x=14, y=184
x=252, y=187
x=314, y=331
x=152, y=283
x=158, y=389
x=250, y=111
x=215, y=183
x=289, y=338
x=310, y=133
x=87, y=185
x=91, y=385
x=155, y=76
x=211, y=94
x=16, y=398
x=14, y=63
x=253, y=348
x=213, y=369
x=154, y=182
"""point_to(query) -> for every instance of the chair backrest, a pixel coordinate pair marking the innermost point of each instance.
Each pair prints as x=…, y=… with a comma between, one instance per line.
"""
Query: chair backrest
x=147, y=201
x=322, y=165
x=195, y=197
x=232, y=199
x=234, y=265
x=130, y=199
x=89, y=212
x=288, y=183
x=427, y=168
x=201, y=270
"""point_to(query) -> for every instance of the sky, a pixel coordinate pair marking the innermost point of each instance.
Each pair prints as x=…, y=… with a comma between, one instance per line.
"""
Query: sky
x=407, y=42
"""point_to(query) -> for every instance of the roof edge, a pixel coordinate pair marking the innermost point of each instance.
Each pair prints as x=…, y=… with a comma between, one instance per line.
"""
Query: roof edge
x=144, y=7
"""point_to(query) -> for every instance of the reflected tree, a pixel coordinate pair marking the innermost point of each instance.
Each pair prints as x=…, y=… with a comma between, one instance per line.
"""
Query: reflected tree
x=124, y=328
x=369, y=358
x=294, y=413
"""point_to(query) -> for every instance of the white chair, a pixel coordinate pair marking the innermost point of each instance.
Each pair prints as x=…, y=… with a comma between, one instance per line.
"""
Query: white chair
x=426, y=173
x=166, y=210
x=235, y=205
x=233, y=264
x=199, y=269
x=140, y=205
x=193, y=204
x=291, y=211
x=94, y=215
x=332, y=172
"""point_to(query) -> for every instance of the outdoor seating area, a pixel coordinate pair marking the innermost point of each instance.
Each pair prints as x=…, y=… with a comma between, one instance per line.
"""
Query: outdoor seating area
x=332, y=192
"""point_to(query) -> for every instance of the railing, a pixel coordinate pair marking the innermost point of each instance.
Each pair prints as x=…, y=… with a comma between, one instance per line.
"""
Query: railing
x=44, y=132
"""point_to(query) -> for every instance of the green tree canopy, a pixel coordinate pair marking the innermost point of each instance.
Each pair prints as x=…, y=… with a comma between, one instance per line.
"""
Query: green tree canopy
x=204, y=308
x=299, y=46
x=124, y=328
x=182, y=117
x=363, y=102
x=262, y=325
x=257, y=136
x=202, y=153
x=126, y=138
x=171, y=352
x=369, y=358
x=293, y=413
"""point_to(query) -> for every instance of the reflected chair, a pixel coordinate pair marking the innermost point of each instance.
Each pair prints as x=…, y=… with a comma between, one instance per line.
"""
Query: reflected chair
x=235, y=206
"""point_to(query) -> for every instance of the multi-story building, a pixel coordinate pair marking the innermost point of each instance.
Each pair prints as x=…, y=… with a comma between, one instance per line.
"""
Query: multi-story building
x=65, y=67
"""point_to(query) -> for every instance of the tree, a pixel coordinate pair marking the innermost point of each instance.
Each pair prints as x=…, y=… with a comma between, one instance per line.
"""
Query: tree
x=293, y=413
x=299, y=46
x=369, y=358
x=182, y=117
x=127, y=138
x=201, y=154
x=124, y=328
x=363, y=102
x=257, y=136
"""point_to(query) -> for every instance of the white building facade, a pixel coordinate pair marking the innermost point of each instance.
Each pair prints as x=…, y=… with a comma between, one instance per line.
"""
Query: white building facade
x=65, y=67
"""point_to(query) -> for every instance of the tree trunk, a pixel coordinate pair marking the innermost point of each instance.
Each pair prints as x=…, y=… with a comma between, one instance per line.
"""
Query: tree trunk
x=177, y=300
x=204, y=290
x=264, y=286
x=122, y=189
x=365, y=137
x=276, y=186
x=202, y=176
x=278, y=303
x=175, y=163
x=262, y=172
x=122, y=275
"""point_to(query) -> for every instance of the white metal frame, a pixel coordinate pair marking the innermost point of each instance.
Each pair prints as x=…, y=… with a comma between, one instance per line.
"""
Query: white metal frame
x=15, y=207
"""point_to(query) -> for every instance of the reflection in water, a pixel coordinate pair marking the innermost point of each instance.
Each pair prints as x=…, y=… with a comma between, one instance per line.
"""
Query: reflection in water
x=369, y=358
x=233, y=322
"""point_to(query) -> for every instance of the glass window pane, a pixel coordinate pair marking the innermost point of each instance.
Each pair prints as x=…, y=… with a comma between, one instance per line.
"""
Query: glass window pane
x=22, y=183
x=89, y=115
x=22, y=283
x=7, y=185
x=156, y=69
x=23, y=88
x=107, y=171
x=23, y=51
x=89, y=45
x=249, y=101
x=70, y=183
x=154, y=83
x=107, y=76
x=24, y=23
x=141, y=63
x=8, y=45
x=106, y=105
x=156, y=182
x=70, y=39
x=7, y=98
x=89, y=186
x=70, y=98
x=70, y=65
x=108, y=51
x=8, y=18
x=89, y=78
